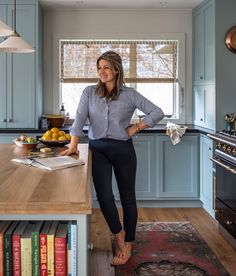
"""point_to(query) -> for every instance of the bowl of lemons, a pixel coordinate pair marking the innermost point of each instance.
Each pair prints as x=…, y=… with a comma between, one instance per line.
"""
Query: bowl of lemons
x=55, y=137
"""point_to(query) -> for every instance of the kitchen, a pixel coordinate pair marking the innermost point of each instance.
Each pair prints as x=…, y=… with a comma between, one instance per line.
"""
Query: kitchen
x=131, y=23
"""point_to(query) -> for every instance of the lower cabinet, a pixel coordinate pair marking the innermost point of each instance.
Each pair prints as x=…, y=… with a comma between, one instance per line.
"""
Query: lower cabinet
x=177, y=168
x=165, y=171
x=206, y=174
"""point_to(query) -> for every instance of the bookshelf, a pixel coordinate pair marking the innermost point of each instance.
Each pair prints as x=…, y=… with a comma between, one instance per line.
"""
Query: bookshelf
x=28, y=193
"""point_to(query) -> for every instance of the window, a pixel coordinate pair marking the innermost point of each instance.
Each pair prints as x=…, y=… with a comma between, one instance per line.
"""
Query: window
x=150, y=66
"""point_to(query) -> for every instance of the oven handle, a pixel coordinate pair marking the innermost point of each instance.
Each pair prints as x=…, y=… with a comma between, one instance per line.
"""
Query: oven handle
x=228, y=168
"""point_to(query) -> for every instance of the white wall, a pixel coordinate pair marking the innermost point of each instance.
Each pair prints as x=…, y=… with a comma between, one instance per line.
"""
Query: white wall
x=114, y=24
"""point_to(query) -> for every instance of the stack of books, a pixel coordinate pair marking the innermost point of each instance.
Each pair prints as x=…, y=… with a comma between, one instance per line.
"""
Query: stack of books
x=38, y=248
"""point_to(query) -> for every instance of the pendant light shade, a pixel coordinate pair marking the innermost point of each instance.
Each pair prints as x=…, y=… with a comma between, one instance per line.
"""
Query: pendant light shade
x=14, y=43
x=5, y=30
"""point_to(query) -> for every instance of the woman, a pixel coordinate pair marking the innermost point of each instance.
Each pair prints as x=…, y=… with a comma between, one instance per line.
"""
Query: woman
x=109, y=106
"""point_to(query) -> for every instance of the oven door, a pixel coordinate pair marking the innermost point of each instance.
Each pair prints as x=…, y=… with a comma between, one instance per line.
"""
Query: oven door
x=225, y=192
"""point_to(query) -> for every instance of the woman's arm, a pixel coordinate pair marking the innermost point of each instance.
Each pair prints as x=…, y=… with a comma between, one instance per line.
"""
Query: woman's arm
x=133, y=129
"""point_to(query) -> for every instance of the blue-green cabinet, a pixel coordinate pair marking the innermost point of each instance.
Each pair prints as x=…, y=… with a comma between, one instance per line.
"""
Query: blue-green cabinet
x=206, y=173
x=204, y=108
x=177, y=168
x=165, y=171
x=145, y=177
x=213, y=63
x=204, y=65
x=20, y=74
x=203, y=44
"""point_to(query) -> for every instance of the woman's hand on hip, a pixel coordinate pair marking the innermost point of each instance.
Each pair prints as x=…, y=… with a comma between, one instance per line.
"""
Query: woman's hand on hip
x=132, y=130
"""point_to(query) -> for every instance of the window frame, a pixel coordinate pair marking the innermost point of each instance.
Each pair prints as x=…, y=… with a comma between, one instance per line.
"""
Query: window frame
x=163, y=36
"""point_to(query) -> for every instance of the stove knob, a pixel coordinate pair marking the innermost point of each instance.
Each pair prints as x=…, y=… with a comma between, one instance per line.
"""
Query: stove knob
x=229, y=149
x=224, y=148
x=219, y=146
x=234, y=151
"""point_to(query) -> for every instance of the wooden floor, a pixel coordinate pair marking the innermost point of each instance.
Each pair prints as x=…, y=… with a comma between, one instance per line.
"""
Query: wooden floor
x=101, y=256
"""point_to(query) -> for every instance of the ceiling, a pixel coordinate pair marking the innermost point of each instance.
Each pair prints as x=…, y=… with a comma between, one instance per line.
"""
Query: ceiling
x=129, y=4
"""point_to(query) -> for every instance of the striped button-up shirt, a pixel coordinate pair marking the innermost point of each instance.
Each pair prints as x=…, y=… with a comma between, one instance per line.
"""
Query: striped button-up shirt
x=110, y=118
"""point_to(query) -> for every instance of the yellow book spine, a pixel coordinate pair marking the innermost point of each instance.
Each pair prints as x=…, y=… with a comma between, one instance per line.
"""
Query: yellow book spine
x=26, y=258
x=50, y=250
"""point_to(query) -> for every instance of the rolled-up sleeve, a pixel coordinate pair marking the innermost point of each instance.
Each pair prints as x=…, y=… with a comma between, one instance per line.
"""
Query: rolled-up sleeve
x=82, y=114
x=154, y=114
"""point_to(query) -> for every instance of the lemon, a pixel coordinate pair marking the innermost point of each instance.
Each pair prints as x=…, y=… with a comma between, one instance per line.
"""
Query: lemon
x=55, y=129
x=62, y=133
x=54, y=139
x=47, y=137
x=48, y=133
x=55, y=135
x=62, y=138
x=68, y=136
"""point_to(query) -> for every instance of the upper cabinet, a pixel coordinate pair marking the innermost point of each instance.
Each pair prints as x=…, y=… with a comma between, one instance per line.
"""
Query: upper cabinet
x=213, y=64
x=204, y=41
x=21, y=74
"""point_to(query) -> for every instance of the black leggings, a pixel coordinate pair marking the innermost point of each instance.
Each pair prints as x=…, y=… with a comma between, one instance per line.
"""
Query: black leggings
x=121, y=156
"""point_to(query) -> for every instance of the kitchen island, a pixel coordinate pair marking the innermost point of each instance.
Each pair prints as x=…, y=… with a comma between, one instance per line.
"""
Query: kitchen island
x=28, y=193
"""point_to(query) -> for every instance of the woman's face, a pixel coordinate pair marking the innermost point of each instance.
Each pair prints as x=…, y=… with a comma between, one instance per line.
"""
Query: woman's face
x=106, y=72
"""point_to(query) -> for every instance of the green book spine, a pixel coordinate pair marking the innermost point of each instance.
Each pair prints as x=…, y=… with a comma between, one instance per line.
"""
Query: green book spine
x=8, y=249
x=36, y=249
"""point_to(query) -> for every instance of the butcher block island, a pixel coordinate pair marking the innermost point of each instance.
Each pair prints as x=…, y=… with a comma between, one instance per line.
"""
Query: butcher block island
x=29, y=193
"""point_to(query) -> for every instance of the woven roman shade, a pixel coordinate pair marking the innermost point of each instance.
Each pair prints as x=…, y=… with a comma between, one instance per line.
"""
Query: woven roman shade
x=153, y=61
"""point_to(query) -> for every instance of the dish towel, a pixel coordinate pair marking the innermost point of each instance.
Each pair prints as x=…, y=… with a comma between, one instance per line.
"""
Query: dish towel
x=175, y=132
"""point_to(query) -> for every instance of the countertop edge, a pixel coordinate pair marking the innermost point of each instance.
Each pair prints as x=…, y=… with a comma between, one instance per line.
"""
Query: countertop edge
x=155, y=129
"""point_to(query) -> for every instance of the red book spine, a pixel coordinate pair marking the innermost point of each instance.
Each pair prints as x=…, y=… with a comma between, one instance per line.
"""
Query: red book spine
x=43, y=254
x=60, y=256
x=16, y=255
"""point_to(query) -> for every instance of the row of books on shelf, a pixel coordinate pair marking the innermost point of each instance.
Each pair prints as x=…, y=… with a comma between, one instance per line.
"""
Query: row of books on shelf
x=38, y=248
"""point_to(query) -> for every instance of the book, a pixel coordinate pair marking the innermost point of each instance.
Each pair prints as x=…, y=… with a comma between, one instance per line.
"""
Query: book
x=61, y=249
x=35, y=247
x=72, y=248
x=16, y=247
x=43, y=248
x=7, y=251
x=30, y=249
x=3, y=227
x=50, y=248
x=50, y=163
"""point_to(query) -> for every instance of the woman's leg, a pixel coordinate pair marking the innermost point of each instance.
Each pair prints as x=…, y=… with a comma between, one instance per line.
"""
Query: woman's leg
x=102, y=179
x=125, y=164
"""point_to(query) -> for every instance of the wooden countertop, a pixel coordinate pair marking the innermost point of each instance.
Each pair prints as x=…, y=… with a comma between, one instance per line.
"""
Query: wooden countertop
x=29, y=190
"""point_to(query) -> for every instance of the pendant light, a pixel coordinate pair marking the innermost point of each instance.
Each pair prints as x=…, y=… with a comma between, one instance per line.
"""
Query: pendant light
x=14, y=43
x=5, y=30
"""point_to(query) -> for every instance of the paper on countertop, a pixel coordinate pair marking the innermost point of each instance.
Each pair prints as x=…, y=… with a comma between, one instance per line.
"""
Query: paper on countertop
x=175, y=132
x=50, y=163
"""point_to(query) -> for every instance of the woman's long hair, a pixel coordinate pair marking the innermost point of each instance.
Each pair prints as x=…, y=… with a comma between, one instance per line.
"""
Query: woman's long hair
x=116, y=62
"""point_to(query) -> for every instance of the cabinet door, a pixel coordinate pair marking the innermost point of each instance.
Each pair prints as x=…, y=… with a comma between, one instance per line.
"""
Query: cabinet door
x=21, y=73
x=204, y=106
x=209, y=43
x=177, y=168
x=198, y=46
x=204, y=44
x=145, y=176
x=3, y=76
x=206, y=173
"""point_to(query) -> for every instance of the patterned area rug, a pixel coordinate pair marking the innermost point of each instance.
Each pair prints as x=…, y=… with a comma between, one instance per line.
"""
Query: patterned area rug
x=174, y=248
